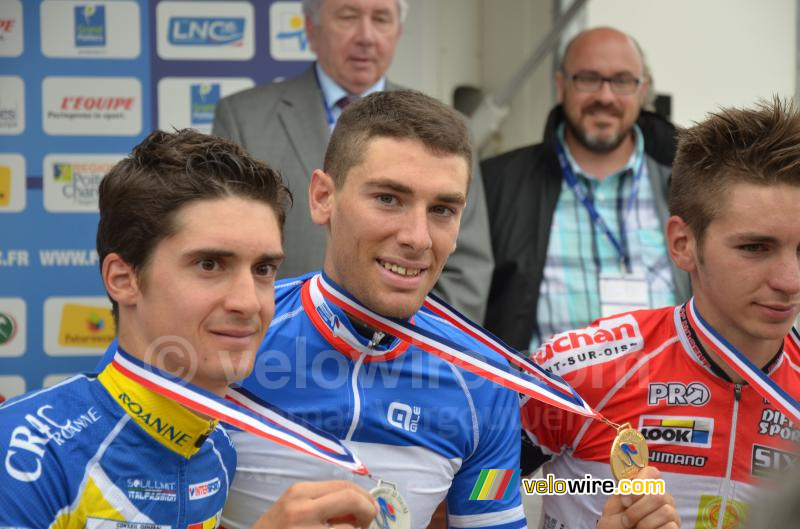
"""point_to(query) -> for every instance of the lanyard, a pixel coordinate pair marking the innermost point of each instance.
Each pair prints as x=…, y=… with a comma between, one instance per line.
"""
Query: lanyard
x=328, y=112
x=240, y=410
x=621, y=244
x=533, y=381
x=765, y=386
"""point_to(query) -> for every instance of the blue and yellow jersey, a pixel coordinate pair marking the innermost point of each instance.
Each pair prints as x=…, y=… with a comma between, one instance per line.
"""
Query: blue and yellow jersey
x=102, y=451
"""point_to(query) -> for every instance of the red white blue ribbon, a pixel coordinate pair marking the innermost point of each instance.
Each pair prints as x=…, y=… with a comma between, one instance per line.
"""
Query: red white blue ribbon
x=544, y=386
x=765, y=386
x=241, y=411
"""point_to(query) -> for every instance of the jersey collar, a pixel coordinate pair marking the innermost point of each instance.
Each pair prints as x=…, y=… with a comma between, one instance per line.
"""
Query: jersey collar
x=334, y=325
x=695, y=349
x=169, y=423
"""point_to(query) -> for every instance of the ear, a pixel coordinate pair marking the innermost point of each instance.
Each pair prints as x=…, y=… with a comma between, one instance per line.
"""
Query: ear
x=120, y=280
x=681, y=244
x=560, y=85
x=643, y=90
x=321, y=197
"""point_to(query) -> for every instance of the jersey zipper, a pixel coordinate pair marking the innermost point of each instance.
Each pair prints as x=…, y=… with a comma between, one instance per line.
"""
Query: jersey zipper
x=182, y=497
x=726, y=490
x=356, y=397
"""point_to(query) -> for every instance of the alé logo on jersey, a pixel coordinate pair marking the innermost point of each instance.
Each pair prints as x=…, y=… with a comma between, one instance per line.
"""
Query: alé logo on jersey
x=678, y=394
x=206, y=31
x=605, y=341
x=403, y=416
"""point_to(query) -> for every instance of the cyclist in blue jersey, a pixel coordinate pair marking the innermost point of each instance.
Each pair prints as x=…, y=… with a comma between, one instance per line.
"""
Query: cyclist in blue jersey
x=189, y=240
x=394, y=185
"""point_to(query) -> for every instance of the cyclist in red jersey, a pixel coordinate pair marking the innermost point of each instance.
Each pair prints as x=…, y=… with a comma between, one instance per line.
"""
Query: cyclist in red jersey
x=715, y=435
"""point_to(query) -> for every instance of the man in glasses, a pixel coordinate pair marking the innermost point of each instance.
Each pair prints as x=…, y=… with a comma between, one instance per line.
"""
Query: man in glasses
x=577, y=221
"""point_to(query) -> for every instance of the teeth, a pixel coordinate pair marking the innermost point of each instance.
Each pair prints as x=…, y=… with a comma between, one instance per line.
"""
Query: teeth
x=400, y=270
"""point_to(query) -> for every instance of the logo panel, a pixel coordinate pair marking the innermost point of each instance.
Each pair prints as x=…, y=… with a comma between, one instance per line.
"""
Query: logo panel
x=11, y=26
x=684, y=460
x=13, y=327
x=12, y=104
x=199, y=491
x=773, y=423
x=709, y=513
x=90, y=30
x=77, y=326
x=287, y=33
x=205, y=30
x=71, y=181
x=610, y=339
x=678, y=394
x=768, y=461
x=191, y=101
x=102, y=106
x=12, y=183
x=403, y=416
x=682, y=431
x=11, y=386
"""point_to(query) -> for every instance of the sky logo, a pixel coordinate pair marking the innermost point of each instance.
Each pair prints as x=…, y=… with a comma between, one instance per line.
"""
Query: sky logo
x=204, y=99
x=206, y=31
x=90, y=25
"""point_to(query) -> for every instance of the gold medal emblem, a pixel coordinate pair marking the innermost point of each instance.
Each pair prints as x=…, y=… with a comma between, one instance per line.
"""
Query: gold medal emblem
x=629, y=453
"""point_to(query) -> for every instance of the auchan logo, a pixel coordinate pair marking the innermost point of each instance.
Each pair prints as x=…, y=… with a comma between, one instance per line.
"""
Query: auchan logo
x=604, y=341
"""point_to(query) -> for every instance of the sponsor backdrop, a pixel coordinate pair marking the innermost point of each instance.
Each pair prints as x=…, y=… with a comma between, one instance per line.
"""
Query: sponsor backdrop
x=80, y=84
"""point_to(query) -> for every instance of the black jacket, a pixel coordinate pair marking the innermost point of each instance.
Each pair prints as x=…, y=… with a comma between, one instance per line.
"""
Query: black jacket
x=522, y=190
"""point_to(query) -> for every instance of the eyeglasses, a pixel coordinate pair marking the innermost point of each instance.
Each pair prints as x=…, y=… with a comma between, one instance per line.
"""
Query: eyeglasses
x=621, y=84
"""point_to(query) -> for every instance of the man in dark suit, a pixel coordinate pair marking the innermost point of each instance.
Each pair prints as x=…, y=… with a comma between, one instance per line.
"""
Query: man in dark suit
x=288, y=124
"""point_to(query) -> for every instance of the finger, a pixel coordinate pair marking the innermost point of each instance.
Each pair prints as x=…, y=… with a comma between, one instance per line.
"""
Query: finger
x=352, y=502
x=316, y=489
x=651, y=511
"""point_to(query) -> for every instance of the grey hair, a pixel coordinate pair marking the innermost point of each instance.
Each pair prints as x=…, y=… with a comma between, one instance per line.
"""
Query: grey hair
x=311, y=9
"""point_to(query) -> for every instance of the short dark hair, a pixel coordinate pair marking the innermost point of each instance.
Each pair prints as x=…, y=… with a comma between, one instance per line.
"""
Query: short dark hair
x=142, y=194
x=758, y=145
x=398, y=114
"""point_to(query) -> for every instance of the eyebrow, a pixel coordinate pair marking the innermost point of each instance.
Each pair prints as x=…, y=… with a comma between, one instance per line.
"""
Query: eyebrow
x=397, y=187
x=753, y=237
x=215, y=253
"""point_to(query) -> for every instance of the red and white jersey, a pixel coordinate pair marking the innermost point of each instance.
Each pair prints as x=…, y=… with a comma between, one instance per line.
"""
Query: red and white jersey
x=714, y=441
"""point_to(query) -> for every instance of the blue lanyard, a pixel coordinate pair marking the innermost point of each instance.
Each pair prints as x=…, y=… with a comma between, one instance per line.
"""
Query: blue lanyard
x=620, y=245
x=328, y=112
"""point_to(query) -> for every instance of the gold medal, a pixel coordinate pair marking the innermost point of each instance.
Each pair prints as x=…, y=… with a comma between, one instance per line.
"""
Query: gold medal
x=629, y=453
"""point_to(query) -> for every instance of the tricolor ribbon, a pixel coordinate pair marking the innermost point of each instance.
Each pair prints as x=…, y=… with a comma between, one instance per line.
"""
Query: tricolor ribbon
x=240, y=410
x=765, y=386
x=542, y=385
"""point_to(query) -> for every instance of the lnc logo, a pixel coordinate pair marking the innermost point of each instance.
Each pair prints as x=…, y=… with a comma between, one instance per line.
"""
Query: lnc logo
x=403, y=416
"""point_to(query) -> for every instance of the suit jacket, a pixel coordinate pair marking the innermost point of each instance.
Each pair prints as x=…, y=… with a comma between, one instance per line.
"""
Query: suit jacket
x=284, y=124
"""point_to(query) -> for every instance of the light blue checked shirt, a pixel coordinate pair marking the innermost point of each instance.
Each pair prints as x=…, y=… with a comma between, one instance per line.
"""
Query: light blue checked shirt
x=332, y=92
x=578, y=252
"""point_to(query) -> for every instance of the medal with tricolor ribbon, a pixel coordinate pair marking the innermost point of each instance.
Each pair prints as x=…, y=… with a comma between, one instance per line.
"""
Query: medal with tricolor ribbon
x=736, y=360
x=629, y=448
x=238, y=410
